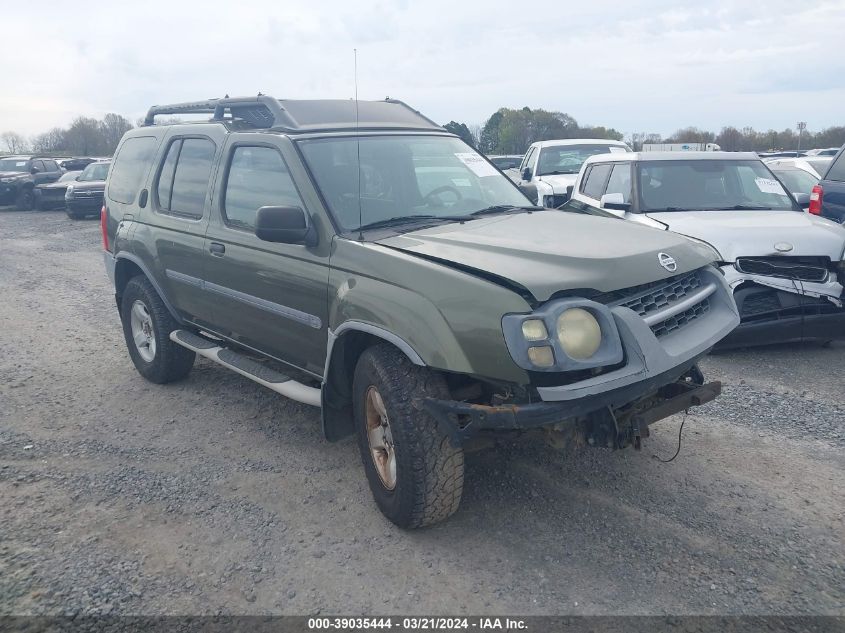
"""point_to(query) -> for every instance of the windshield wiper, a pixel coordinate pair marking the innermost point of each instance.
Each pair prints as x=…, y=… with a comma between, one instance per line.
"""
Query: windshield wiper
x=409, y=219
x=557, y=173
x=667, y=209
x=742, y=207
x=503, y=208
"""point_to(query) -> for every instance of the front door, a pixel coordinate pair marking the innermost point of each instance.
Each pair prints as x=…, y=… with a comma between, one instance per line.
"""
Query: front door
x=270, y=297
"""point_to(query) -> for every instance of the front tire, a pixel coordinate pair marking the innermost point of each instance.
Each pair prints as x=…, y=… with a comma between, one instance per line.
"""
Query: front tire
x=147, y=325
x=25, y=199
x=415, y=473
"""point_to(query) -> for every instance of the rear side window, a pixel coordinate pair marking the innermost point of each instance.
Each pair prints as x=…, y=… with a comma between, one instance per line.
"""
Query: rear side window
x=130, y=166
x=837, y=170
x=595, y=181
x=258, y=177
x=183, y=182
x=51, y=165
x=620, y=181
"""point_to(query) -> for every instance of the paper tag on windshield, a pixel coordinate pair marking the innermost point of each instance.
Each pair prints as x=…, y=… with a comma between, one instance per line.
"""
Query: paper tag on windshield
x=767, y=185
x=476, y=163
x=20, y=163
x=617, y=150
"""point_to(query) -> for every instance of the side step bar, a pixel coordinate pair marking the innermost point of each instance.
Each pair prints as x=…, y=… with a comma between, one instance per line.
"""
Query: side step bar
x=245, y=366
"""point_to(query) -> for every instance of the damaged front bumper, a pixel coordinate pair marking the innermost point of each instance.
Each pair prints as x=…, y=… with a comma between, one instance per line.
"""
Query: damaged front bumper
x=780, y=310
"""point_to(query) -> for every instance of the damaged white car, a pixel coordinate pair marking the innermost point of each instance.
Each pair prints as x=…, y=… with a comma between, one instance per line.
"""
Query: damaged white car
x=785, y=266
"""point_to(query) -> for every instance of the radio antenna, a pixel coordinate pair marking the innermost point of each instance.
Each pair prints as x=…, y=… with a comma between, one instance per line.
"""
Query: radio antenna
x=358, y=149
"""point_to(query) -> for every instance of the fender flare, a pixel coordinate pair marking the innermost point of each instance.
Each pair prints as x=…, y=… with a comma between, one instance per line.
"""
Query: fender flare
x=337, y=421
x=146, y=272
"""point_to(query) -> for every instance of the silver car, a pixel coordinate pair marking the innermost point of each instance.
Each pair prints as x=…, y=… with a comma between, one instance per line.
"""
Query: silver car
x=785, y=267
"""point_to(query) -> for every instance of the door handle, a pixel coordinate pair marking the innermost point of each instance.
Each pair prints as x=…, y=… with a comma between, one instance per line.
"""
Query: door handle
x=217, y=249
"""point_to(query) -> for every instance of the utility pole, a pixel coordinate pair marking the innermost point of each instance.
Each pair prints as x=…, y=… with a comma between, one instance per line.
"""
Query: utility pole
x=802, y=125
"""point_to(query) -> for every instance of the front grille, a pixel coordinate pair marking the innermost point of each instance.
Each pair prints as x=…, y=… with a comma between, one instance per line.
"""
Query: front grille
x=663, y=296
x=783, y=267
x=87, y=193
x=680, y=320
x=650, y=300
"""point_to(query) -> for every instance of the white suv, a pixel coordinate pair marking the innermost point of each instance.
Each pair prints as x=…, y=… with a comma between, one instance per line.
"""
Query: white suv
x=549, y=168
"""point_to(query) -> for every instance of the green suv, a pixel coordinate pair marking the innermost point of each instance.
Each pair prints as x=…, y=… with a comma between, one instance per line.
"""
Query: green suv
x=358, y=258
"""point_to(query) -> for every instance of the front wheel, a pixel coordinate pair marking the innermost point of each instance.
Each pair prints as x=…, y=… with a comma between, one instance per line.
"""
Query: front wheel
x=147, y=325
x=415, y=473
x=25, y=199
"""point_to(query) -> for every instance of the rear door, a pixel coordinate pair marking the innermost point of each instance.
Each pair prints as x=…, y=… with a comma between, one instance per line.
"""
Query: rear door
x=176, y=218
x=833, y=185
x=269, y=297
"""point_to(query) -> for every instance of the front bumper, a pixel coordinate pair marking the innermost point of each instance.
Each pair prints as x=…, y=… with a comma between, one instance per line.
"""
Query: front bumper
x=84, y=205
x=775, y=310
x=652, y=400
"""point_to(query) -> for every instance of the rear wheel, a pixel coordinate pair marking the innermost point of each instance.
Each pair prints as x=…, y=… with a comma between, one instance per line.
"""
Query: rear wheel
x=147, y=325
x=415, y=473
x=25, y=199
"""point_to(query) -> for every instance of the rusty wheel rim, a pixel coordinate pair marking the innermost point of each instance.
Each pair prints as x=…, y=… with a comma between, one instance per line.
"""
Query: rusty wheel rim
x=380, y=438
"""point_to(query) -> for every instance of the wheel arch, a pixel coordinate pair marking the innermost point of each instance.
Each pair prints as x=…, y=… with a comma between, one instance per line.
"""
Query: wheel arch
x=128, y=266
x=345, y=346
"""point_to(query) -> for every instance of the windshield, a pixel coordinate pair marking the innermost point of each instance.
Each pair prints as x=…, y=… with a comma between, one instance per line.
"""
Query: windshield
x=94, y=171
x=409, y=177
x=699, y=185
x=567, y=159
x=68, y=175
x=796, y=180
x=12, y=164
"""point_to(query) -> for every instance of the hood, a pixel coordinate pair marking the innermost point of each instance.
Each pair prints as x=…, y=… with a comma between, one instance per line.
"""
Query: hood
x=9, y=174
x=755, y=233
x=55, y=185
x=549, y=251
x=91, y=185
x=559, y=182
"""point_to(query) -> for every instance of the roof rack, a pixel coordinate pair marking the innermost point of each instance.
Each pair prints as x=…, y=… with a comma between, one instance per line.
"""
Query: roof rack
x=259, y=111
x=263, y=111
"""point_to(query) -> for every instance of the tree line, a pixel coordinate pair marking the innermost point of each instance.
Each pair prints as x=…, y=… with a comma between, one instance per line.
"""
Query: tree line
x=507, y=131
x=511, y=131
x=84, y=137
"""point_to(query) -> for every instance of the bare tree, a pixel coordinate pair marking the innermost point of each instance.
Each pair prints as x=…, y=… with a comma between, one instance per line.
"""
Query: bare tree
x=14, y=142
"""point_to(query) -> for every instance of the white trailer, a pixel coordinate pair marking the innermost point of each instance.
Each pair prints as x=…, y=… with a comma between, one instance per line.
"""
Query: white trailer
x=681, y=147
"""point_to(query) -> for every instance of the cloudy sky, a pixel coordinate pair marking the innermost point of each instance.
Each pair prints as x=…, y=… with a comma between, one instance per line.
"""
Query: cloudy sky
x=650, y=66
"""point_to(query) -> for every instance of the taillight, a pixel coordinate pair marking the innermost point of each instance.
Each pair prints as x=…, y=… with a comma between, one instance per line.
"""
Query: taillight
x=816, y=200
x=104, y=227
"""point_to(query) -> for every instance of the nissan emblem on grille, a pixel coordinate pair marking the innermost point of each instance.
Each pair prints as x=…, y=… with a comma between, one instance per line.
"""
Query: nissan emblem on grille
x=667, y=261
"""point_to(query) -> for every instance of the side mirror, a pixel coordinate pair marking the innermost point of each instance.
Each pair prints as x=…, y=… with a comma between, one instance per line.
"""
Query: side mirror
x=285, y=225
x=803, y=199
x=615, y=201
x=34, y=171
x=526, y=174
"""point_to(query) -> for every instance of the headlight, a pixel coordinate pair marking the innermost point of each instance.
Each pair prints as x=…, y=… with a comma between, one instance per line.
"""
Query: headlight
x=69, y=191
x=584, y=336
x=579, y=333
x=9, y=179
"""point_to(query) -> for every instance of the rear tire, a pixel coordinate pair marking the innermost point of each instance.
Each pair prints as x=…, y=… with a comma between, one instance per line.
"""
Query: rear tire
x=25, y=199
x=425, y=482
x=147, y=325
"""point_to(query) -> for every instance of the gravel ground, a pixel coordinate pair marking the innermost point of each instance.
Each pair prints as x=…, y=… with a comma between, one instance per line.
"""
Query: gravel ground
x=214, y=495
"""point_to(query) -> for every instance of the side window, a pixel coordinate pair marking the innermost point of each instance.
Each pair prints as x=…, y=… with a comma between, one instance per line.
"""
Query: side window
x=184, y=177
x=258, y=177
x=531, y=159
x=595, y=180
x=164, y=186
x=837, y=169
x=130, y=166
x=39, y=165
x=51, y=165
x=620, y=181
